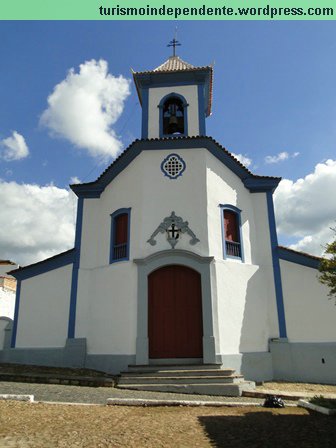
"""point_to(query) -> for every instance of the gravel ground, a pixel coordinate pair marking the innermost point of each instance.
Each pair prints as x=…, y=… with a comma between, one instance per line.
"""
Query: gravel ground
x=42, y=425
x=98, y=395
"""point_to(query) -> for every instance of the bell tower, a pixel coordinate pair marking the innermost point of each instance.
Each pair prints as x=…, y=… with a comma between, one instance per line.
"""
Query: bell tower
x=175, y=98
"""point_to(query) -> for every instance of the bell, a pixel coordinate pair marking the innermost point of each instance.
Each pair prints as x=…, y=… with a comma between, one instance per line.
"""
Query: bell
x=172, y=120
x=172, y=124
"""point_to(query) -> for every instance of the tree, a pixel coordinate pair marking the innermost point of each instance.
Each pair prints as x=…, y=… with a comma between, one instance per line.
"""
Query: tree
x=327, y=268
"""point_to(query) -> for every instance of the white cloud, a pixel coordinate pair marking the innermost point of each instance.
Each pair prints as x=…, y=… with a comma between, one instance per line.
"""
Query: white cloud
x=306, y=209
x=84, y=107
x=74, y=180
x=243, y=159
x=13, y=148
x=36, y=222
x=280, y=157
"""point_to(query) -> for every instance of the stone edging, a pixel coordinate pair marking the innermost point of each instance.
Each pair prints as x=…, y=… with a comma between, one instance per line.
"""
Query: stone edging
x=29, y=398
x=315, y=407
x=151, y=402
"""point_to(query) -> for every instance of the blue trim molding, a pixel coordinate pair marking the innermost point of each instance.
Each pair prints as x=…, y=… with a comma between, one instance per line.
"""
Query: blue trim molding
x=253, y=183
x=293, y=256
x=185, y=114
x=261, y=184
x=276, y=267
x=114, y=215
x=237, y=211
x=75, y=268
x=145, y=114
x=16, y=313
x=55, y=262
x=201, y=110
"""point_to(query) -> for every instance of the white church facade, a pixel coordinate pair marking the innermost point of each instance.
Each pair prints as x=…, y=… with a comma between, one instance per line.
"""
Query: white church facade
x=176, y=259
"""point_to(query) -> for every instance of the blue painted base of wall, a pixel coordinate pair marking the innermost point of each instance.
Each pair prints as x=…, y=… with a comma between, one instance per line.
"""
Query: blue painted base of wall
x=305, y=362
x=255, y=366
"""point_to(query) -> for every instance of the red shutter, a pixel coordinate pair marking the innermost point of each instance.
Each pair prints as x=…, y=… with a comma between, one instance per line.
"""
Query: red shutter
x=231, y=226
x=121, y=229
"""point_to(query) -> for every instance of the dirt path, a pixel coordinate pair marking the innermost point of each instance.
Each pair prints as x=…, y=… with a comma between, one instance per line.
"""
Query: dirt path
x=46, y=426
x=284, y=386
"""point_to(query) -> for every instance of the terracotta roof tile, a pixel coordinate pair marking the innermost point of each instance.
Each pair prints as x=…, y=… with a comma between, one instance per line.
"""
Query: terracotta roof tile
x=172, y=64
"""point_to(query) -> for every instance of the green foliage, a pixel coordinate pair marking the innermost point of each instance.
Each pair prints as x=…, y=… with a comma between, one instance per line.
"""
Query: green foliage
x=329, y=403
x=327, y=268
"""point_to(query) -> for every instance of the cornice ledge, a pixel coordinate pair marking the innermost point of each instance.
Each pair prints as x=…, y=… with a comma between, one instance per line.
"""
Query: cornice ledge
x=171, y=253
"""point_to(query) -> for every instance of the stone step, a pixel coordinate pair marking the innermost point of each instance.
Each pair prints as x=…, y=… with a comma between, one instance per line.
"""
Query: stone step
x=185, y=367
x=180, y=372
x=142, y=379
x=230, y=390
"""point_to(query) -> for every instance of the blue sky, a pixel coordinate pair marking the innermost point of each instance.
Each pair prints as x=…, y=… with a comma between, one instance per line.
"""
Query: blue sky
x=274, y=93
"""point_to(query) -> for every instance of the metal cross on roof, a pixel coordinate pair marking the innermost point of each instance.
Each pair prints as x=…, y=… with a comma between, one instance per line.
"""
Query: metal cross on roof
x=174, y=43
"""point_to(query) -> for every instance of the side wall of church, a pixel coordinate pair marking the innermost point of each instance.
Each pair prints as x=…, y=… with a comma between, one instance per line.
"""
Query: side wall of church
x=310, y=315
x=309, y=352
x=44, y=309
x=247, y=315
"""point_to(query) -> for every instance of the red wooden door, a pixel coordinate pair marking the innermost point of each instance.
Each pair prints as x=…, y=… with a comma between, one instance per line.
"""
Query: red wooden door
x=175, y=328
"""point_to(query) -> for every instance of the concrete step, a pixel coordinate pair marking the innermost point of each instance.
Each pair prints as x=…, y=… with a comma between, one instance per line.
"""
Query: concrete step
x=185, y=367
x=230, y=390
x=180, y=379
x=180, y=372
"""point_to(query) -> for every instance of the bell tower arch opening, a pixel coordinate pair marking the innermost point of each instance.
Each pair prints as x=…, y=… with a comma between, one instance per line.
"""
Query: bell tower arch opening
x=173, y=115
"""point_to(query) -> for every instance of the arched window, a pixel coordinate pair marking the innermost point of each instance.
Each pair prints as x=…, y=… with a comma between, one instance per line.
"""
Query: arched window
x=173, y=115
x=231, y=228
x=120, y=235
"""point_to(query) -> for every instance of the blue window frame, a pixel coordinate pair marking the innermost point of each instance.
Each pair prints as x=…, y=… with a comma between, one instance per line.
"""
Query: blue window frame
x=231, y=232
x=120, y=235
x=173, y=116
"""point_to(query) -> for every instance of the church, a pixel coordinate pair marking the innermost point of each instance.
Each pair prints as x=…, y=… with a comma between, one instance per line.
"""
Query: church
x=176, y=259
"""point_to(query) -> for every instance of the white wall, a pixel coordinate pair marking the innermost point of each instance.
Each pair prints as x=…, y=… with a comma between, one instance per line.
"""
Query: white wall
x=7, y=295
x=247, y=315
x=310, y=315
x=190, y=93
x=44, y=309
x=242, y=308
x=107, y=294
x=7, y=302
x=152, y=197
x=107, y=310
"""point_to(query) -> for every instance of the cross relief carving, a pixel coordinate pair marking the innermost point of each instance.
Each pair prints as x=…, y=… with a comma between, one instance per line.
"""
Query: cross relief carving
x=173, y=226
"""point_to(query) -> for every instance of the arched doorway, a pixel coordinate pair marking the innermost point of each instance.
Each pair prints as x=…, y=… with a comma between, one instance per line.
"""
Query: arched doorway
x=175, y=328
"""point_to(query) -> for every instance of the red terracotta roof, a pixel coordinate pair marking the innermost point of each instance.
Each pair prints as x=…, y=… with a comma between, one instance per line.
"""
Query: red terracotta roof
x=172, y=64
